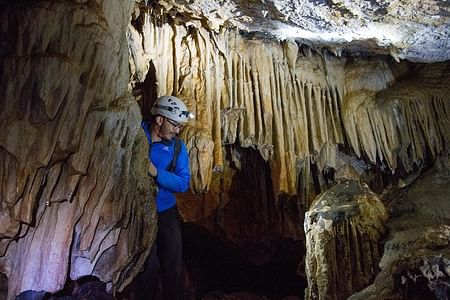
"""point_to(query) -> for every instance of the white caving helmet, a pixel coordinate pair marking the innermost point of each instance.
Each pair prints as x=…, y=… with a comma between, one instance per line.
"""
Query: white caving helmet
x=173, y=108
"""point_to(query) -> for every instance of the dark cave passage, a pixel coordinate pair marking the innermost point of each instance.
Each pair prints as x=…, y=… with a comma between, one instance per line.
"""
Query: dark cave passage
x=213, y=267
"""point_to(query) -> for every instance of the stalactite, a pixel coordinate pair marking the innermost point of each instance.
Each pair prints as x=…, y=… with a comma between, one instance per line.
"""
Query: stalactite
x=294, y=105
x=262, y=96
x=398, y=123
x=201, y=146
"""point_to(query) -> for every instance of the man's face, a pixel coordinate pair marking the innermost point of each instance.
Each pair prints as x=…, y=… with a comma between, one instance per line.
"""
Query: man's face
x=168, y=129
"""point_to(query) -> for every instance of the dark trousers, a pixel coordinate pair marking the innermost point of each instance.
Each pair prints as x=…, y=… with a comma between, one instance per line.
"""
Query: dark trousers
x=166, y=257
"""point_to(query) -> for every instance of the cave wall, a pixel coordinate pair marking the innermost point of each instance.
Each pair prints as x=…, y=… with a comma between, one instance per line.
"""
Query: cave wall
x=315, y=116
x=74, y=188
x=416, y=251
x=74, y=192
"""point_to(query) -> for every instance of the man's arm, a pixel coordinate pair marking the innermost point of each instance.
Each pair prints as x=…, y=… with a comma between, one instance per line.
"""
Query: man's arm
x=177, y=181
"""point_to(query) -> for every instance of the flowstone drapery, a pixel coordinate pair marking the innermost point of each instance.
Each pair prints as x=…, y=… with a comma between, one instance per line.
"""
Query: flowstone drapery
x=294, y=105
x=74, y=196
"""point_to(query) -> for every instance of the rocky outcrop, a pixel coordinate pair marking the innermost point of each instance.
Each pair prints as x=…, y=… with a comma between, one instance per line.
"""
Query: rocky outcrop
x=74, y=192
x=416, y=256
x=343, y=229
x=417, y=31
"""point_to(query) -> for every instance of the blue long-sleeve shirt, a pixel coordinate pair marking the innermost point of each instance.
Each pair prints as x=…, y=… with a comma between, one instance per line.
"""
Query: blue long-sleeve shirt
x=161, y=155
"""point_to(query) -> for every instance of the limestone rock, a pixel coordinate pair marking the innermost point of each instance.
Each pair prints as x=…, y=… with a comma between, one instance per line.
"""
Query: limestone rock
x=416, y=256
x=416, y=30
x=74, y=197
x=343, y=227
x=294, y=105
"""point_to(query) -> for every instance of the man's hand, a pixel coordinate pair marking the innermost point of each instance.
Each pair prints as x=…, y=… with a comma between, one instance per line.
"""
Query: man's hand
x=152, y=171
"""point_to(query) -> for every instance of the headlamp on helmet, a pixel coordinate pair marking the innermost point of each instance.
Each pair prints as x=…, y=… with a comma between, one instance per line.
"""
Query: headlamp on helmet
x=173, y=108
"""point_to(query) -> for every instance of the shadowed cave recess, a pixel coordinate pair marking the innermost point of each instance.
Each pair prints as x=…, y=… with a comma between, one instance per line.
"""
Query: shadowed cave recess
x=259, y=264
x=319, y=153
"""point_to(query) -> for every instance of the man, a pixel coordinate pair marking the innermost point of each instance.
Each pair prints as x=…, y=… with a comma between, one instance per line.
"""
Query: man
x=169, y=166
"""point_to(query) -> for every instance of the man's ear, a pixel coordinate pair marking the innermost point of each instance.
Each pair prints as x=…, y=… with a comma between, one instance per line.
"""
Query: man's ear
x=159, y=120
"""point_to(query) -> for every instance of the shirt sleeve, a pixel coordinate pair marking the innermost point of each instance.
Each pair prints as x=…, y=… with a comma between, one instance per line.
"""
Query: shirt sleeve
x=177, y=181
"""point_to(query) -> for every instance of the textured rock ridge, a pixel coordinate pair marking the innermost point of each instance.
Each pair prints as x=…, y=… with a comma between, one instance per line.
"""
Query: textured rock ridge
x=74, y=193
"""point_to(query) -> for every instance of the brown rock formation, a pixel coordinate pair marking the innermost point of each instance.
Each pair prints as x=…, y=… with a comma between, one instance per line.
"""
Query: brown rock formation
x=73, y=158
x=293, y=105
x=416, y=258
x=343, y=227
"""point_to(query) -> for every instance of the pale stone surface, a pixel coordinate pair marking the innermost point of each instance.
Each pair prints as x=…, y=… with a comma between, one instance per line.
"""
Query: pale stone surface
x=343, y=229
x=416, y=30
x=74, y=192
x=416, y=256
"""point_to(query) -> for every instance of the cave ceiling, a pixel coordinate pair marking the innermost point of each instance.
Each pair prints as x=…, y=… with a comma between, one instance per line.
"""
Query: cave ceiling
x=416, y=30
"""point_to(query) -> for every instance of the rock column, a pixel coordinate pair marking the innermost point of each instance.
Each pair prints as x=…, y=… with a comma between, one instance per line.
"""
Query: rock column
x=343, y=227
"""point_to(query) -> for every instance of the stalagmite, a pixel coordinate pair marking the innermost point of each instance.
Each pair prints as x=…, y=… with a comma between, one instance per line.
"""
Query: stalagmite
x=343, y=227
x=416, y=254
